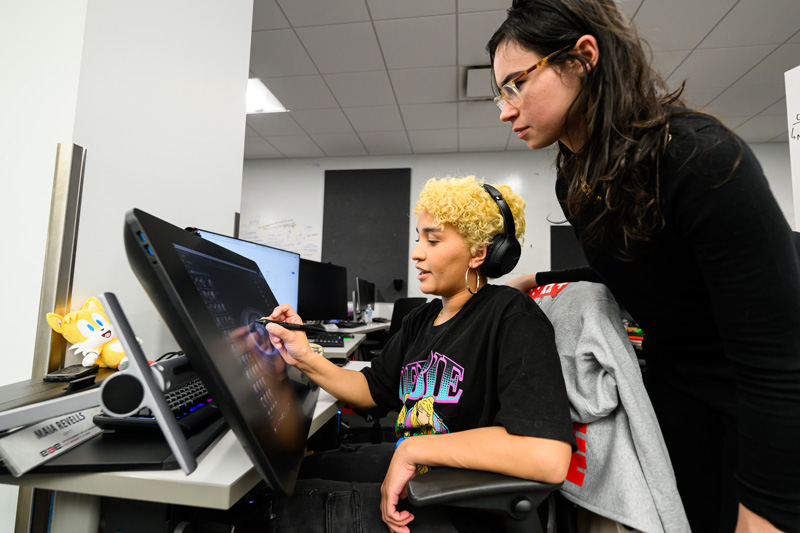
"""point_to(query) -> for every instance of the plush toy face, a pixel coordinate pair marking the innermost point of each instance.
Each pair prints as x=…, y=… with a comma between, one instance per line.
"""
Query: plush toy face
x=88, y=328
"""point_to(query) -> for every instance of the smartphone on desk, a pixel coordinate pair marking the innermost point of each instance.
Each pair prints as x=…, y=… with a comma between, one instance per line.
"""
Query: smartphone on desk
x=69, y=373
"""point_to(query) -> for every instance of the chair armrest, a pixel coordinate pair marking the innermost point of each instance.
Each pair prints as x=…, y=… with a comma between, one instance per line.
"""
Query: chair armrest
x=478, y=489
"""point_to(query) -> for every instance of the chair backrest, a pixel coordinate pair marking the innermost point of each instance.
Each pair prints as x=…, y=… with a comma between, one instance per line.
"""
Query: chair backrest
x=403, y=306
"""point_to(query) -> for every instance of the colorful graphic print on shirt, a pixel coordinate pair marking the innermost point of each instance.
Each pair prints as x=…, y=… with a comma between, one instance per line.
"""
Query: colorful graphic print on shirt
x=423, y=384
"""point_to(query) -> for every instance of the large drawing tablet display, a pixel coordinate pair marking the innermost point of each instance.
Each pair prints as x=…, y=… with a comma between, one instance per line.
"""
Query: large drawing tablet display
x=205, y=294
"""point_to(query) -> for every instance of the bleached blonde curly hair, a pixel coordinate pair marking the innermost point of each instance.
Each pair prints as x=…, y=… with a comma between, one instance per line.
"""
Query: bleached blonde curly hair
x=464, y=203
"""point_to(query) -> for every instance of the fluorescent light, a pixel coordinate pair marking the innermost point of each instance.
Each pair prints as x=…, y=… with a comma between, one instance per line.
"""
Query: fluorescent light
x=260, y=100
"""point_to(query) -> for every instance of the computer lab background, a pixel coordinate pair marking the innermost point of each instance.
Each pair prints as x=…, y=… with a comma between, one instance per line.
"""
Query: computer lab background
x=155, y=92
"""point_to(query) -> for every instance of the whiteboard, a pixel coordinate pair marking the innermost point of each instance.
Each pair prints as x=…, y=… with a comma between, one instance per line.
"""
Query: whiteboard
x=792, y=79
x=283, y=212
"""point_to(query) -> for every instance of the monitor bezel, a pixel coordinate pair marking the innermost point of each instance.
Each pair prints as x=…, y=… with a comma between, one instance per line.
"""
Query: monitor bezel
x=158, y=268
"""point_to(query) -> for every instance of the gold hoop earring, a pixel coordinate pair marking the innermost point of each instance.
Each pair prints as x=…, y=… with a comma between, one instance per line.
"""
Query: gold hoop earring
x=478, y=276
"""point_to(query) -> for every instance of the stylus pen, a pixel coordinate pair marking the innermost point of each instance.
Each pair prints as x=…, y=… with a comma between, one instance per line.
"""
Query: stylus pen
x=310, y=328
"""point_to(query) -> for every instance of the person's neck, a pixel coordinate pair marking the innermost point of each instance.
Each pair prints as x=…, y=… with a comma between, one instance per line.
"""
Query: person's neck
x=451, y=305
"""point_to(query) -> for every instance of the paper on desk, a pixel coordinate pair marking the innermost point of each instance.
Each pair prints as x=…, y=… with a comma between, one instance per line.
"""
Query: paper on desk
x=30, y=446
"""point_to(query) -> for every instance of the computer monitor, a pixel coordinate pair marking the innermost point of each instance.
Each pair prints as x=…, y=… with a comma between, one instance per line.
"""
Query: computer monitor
x=323, y=291
x=281, y=268
x=206, y=294
x=365, y=294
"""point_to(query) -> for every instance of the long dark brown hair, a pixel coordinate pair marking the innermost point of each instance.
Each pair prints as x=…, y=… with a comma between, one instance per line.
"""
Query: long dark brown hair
x=623, y=104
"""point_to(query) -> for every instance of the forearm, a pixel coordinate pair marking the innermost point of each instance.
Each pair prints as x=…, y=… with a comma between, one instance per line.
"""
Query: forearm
x=492, y=449
x=346, y=385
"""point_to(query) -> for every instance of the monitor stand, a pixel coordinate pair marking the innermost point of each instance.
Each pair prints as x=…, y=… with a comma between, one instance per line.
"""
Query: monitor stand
x=125, y=393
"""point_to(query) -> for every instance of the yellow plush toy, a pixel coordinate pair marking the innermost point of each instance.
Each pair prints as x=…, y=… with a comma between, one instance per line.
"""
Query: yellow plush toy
x=91, y=334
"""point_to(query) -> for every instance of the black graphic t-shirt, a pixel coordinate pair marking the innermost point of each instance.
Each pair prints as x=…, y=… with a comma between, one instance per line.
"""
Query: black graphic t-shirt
x=494, y=363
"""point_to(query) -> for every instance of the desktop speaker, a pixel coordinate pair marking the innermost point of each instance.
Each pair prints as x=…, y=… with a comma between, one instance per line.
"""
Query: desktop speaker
x=503, y=253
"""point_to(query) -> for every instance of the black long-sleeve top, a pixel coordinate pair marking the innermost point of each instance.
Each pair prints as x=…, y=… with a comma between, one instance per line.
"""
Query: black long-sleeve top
x=717, y=293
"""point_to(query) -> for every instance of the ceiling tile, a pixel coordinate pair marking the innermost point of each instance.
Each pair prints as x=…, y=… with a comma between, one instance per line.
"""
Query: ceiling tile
x=296, y=146
x=795, y=38
x=375, y=118
x=754, y=22
x=434, y=141
x=301, y=92
x=322, y=120
x=425, y=85
x=773, y=67
x=745, y=101
x=762, y=128
x=268, y=16
x=392, y=9
x=679, y=24
x=482, y=139
x=250, y=132
x=718, y=67
x=316, y=13
x=471, y=6
x=359, y=89
x=342, y=47
x=698, y=98
x=478, y=115
x=629, y=7
x=430, y=116
x=269, y=124
x=778, y=108
x=340, y=144
x=433, y=44
x=666, y=62
x=278, y=53
x=474, y=31
x=387, y=142
x=732, y=121
x=258, y=148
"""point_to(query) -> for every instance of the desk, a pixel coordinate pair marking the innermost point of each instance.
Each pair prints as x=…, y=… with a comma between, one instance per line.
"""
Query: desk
x=369, y=328
x=224, y=474
x=350, y=346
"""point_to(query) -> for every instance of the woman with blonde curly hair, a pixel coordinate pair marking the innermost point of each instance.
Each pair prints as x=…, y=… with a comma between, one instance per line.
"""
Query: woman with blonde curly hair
x=477, y=368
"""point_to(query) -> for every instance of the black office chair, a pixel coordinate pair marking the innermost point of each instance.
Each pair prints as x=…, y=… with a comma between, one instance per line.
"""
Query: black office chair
x=402, y=307
x=515, y=500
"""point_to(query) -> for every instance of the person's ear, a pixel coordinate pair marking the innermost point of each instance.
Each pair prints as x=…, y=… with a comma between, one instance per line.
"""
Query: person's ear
x=588, y=48
x=478, y=257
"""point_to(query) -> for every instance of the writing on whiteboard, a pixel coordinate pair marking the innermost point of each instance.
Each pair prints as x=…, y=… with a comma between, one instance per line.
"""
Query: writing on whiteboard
x=285, y=234
x=794, y=133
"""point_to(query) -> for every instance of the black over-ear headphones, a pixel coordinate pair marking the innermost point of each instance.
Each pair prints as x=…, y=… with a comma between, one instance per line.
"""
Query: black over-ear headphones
x=503, y=253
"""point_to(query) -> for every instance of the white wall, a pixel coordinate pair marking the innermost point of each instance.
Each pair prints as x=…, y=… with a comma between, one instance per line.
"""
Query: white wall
x=40, y=55
x=161, y=113
x=155, y=91
x=282, y=195
x=40, y=52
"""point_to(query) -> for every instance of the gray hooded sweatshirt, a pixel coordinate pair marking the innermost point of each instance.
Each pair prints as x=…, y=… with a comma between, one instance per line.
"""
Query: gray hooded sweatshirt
x=622, y=469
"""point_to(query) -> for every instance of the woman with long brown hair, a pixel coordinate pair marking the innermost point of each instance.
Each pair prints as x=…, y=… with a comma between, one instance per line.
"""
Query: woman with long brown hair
x=676, y=218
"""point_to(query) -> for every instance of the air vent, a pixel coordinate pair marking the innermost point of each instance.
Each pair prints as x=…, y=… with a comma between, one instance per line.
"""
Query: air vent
x=479, y=83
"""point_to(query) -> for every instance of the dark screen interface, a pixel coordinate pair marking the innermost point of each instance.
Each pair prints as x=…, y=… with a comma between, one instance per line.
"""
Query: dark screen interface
x=235, y=297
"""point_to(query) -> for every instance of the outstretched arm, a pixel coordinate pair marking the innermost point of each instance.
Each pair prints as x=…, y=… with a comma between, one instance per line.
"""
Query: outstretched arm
x=345, y=385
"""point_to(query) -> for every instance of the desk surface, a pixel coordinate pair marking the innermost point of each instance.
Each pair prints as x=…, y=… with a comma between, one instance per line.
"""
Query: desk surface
x=224, y=472
x=350, y=345
x=375, y=326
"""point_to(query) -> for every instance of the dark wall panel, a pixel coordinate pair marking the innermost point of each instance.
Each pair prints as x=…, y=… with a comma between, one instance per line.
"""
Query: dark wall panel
x=365, y=227
x=565, y=250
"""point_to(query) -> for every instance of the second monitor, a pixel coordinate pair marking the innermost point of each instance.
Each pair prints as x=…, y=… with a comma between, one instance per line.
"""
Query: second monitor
x=323, y=291
x=281, y=268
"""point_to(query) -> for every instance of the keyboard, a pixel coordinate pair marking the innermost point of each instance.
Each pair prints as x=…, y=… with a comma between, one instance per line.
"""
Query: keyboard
x=327, y=340
x=190, y=404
